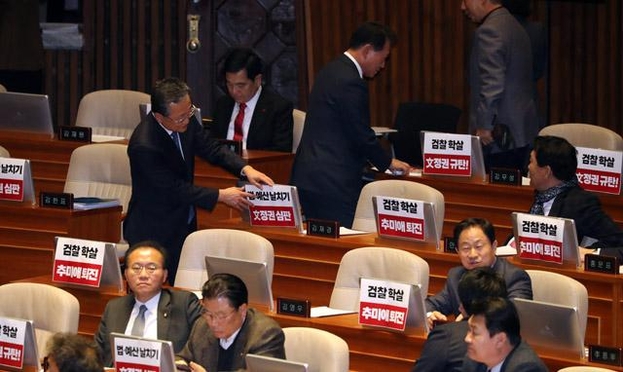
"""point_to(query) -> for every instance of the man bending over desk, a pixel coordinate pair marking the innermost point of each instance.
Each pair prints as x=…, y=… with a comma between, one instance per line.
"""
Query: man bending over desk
x=476, y=246
x=149, y=310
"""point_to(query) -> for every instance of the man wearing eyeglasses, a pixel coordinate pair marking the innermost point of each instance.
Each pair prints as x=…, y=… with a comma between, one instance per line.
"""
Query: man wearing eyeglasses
x=251, y=112
x=149, y=310
x=162, y=152
x=229, y=329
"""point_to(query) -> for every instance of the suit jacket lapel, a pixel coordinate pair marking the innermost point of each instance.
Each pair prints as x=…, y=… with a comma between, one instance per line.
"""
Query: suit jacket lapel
x=164, y=309
x=124, y=318
x=258, y=119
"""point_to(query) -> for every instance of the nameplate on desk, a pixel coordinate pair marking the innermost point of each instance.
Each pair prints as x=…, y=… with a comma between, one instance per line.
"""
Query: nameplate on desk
x=323, y=228
x=288, y=306
x=449, y=245
x=504, y=176
x=605, y=355
x=235, y=146
x=56, y=200
x=80, y=134
x=601, y=264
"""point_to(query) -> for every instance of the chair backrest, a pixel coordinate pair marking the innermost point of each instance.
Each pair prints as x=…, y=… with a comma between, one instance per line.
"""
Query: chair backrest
x=2, y=88
x=100, y=170
x=413, y=117
x=585, y=369
x=364, y=213
x=375, y=263
x=321, y=350
x=560, y=289
x=192, y=272
x=50, y=308
x=585, y=135
x=297, y=130
x=112, y=112
x=4, y=153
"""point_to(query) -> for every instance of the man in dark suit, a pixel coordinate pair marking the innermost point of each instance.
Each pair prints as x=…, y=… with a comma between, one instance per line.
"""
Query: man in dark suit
x=476, y=246
x=266, y=122
x=502, y=108
x=444, y=349
x=229, y=329
x=162, y=153
x=552, y=171
x=337, y=141
x=169, y=314
x=494, y=342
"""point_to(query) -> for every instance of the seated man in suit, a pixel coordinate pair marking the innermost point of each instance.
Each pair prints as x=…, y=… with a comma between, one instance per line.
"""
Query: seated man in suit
x=494, y=342
x=149, y=310
x=68, y=352
x=252, y=113
x=476, y=244
x=229, y=329
x=445, y=347
x=552, y=171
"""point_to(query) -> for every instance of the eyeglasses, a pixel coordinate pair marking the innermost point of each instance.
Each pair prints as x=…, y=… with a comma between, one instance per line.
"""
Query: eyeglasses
x=45, y=364
x=216, y=317
x=149, y=268
x=189, y=115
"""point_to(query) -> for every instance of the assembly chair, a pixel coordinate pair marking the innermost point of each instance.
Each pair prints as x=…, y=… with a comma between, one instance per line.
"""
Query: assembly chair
x=111, y=112
x=364, y=213
x=560, y=289
x=4, y=153
x=2, y=88
x=101, y=170
x=585, y=369
x=414, y=117
x=297, y=130
x=375, y=263
x=192, y=272
x=321, y=350
x=50, y=308
x=585, y=135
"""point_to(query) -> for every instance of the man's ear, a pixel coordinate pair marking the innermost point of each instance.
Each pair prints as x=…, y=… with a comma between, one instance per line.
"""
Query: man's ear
x=500, y=339
x=165, y=276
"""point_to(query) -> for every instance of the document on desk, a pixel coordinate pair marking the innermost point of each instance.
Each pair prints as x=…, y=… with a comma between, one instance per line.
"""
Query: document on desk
x=88, y=203
x=322, y=311
x=98, y=138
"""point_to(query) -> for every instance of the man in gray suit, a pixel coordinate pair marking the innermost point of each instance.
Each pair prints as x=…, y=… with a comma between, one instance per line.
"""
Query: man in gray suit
x=494, y=343
x=502, y=108
x=229, y=329
x=167, y=314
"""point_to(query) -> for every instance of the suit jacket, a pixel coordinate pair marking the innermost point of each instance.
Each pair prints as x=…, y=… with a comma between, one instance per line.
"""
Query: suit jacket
x=337, y=140
x=518, y=285
x=501, y=78
x=259, y=335
x=444, y=349
x=590, y=219
x=521, y=359
x=162, y=183
x=177, y=312
x=271, y=124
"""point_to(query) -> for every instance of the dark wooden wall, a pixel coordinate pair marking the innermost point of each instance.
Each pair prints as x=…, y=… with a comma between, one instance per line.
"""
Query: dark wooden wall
x=129, y=44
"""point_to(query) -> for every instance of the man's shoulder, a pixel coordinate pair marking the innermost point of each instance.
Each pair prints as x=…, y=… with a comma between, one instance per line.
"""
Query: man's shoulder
x=524, y=355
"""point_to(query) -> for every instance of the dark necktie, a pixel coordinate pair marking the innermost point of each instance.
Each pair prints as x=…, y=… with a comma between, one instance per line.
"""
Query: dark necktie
x=139, y=323
x=176, y=139
x=238, y=122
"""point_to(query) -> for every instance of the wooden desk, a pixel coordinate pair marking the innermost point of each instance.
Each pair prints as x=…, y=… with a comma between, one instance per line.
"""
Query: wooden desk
x=27, y=235
x=370, y=349
x=494, y=202
x=49, y=159
x=311, y=263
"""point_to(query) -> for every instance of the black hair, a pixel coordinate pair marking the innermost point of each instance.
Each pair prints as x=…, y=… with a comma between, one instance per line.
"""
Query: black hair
x=147, y=244
x=74, y=353
x=243, y=59
x=373, y=33
x=479, y=284
x=226, y=286
x=559, y=154
x=500, y=316
x=467, y=223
